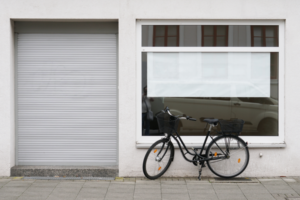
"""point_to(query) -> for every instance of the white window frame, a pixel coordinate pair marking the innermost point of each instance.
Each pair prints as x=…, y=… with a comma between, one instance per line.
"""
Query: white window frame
x=253, y=141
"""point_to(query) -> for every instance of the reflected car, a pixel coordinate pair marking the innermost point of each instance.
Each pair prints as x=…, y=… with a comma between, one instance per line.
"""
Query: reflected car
x=260, y=114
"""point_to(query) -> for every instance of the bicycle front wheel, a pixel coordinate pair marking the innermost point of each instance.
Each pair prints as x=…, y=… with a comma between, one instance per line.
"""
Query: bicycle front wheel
x=158, y=159
x=229, y=156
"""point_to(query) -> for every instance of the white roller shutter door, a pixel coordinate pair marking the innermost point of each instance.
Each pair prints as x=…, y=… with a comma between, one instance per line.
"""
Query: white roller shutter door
x=66, y=99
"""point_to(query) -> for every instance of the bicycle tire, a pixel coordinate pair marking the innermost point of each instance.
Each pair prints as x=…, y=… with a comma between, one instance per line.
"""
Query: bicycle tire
x=154, y=168
x=232, y=165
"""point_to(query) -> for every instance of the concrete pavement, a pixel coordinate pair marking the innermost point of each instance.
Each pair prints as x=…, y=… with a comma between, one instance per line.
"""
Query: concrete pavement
x=275, y=188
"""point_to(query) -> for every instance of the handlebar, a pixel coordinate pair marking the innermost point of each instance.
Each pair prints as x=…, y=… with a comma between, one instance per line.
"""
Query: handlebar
x=167, y=110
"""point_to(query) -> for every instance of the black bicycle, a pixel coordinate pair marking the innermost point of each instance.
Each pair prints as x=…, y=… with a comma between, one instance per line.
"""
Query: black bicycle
x=227, y=155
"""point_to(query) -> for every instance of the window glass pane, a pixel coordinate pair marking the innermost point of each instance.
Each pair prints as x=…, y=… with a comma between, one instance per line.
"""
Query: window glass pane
x=172, y=41
x=208, y=41
x=221, y=30
x=159, y=30
x=259, y=113
x=274, y=66
x=270, y=31
x=221, y=41
x=208, y=30
x=159, y=41
x=257, y=42
x=203, y=35
x=270, y=42
x=172, y=30
x=257, y=31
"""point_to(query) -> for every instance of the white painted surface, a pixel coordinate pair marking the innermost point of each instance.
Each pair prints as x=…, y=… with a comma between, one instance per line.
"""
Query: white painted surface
x=127, y=12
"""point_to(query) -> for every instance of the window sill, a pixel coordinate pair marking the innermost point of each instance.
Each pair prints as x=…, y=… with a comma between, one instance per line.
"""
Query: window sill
x=250, y=146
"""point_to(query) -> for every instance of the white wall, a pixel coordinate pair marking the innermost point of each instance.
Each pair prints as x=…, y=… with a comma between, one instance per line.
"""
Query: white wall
x=127, y=12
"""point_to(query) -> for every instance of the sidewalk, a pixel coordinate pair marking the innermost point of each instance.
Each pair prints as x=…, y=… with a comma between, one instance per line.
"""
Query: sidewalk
x=287, y=188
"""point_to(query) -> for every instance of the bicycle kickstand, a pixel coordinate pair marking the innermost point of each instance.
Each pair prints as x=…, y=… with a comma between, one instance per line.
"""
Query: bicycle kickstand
x=200, y=170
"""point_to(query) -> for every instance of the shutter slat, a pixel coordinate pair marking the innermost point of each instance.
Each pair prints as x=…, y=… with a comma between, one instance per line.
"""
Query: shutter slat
x=67, y=99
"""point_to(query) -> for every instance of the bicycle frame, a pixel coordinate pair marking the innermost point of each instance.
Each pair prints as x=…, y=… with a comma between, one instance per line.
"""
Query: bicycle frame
x=201, y=156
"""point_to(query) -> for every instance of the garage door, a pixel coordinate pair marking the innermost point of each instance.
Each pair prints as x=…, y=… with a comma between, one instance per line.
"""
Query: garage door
x=66, y=99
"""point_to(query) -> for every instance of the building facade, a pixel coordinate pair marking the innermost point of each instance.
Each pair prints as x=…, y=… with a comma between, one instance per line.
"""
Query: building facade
x=73, y=73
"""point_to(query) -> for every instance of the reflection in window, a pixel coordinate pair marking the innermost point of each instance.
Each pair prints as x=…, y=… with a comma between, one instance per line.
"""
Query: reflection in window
x=274, y=65
x=260, y=114
x=264, y=36
x=165, y=36
x=214, y=36
x=210, y=36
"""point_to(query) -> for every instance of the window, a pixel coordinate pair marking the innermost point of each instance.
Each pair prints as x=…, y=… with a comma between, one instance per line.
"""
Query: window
x=166, y=36
x=224, y=77
x=264, y=36
x=214, y=36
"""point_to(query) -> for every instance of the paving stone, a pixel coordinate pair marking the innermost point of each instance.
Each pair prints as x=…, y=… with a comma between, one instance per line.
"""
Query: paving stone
x=89, y=198
x=138, y=198
x=175, y=196
x=38, y=190
x=5, y=179
x=121, y=186
x=61, y=196
x=229, y=191
x=154, y=182
x=38, y=196
x=4, y=196
x=199, y=186
x=163, y=186
x=94, y=190
x=231, y=196
x=3, y=184
x=255, y=196
x=111, y=198
x=197, y=191
x=278, y=187
x=96, y=184
x=292, y=195
x=147, y=190
x=173, y=182
x=289, y=180
x=119, y=195
x=44, y=184
x=282, y=191
x=225, y=186
x=197, y=182
x=146, y=186
x=66, y=190
x=70, y=184
x=203, y=196
x=129, y=179
x=121, y=190
x=150, y=196
x=272, y=182
x=8, y=197
x=279, y=196
x=91, y=193
x=258, y=191
x=19, y=184
x=12, y=190
x=174, y=191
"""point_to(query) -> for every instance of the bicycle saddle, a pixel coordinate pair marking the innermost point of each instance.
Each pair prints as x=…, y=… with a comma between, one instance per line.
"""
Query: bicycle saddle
x=212, y=121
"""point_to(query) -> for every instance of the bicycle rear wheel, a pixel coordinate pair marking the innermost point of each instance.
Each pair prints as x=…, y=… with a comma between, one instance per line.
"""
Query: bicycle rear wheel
x=158, y=159
x=230, y=156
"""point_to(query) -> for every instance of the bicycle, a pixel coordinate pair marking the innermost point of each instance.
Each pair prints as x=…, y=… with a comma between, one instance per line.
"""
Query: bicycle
x=227, y=155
